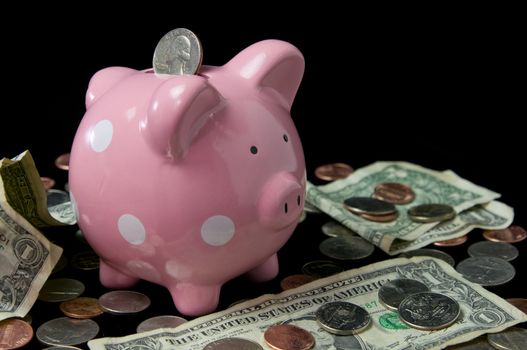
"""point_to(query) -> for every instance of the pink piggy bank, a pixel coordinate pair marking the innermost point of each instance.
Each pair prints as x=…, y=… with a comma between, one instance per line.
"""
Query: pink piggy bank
x=190, y=180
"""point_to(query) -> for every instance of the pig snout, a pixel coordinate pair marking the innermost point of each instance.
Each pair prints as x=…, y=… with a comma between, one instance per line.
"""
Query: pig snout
x=281, y=201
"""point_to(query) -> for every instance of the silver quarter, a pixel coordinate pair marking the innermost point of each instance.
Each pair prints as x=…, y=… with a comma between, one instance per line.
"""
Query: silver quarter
x=513, y=338
x=67, y=331
x=392, y=293
x=428, y=311
x=123, y=302
x=431, y=213
x=480, y=343
x=346, y=248
x=60, y=289
x=486, y=270
x=434, y=253
x=342, y=318
x=56, y=197
x=335, y=229
x=367, y=205
x=321, y=268
x=178, y=52
x=502, y=250
x=233, y=344
x=165, y=321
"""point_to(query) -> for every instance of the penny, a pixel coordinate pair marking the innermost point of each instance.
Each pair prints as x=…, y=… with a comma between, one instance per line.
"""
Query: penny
x=425, y=213
x=451, y=242
x=288, y=337
x=394, y=192
x=60, y=289
x=123, y=302
x=513, y=338
x=157, y=322
x=47, y=182
x=434, y=253
x=342, y=318
x=321, y=268
x=367, y=205
x=335, y=229
x=233, y=344
x=512, y=234
x=520, y=303
x=502, y=250
x=14, y=333
x=330, y=172
x=486, y=270
x=81, y=308
x=380, y=218
x=428, y=311
x=67, y=331
x=392, y=293
x=294, y=281
x=63, y=161
x=346, y=248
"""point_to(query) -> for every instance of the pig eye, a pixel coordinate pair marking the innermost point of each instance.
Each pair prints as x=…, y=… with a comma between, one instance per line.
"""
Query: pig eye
x=286, y=139
x=254, y=150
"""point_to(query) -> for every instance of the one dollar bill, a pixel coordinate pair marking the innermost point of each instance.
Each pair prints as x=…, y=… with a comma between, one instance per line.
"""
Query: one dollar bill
x=429, y=186
x=26, y=260
x=481, y=312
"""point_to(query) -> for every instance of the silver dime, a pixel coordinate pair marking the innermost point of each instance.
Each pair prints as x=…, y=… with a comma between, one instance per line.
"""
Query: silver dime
x=480, y=343
x=513, y=338
x=165, y=321
x=56, y=197
x=342, y=318
x=178, y=52
x=233, y=344
x=392, y=293
x=346, y=248
x=367, y=205
x=502, y=250
x=428, y=311
x=123, y=302
x=321, y=268
x=67, y=331
x=431, y=212
x=486, y=271
x=60, y=289
x=335, y=229
x=434, y=253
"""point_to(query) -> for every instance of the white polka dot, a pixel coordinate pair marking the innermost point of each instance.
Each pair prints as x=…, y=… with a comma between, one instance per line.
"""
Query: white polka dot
x=132, y=229
x=178, y=270
x=101, y=135
x=144, y=270
x=217, y=230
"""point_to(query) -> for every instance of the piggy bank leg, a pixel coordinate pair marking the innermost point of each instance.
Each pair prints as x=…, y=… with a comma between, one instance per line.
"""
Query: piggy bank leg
x=112, y=278
x=266, y=271
x=195, y=300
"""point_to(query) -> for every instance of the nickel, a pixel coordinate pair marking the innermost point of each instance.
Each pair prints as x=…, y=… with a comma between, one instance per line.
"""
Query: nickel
x=513, y=338
x=342, y=318
x=392, y=293
x=157, y=322
x=425, y=213
x=67, y=331
x=486, y=271
x=321, y=268
x=434, y=253
x=233, y=344
x=346, y=248
x=61, y=289
x=123, y=302
x=429, y=311
x=505, y=251
x=367, y=205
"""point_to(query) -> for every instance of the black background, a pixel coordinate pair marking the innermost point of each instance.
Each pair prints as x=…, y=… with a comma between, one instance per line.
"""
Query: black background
x=440, y=90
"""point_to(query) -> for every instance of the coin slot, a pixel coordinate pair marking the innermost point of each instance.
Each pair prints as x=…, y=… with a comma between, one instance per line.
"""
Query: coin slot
x=254, y=150
x=286, y=139
x=285, y=207
x=298, y=199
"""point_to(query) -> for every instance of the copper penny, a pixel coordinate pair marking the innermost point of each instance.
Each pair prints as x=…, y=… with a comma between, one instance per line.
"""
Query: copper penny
x=288, y=337
x=520, y=303
x=330, y=172
x=14, y=333
x=380, y=218
x=512, y=234
x=451, y=242
x=47, y=182
x=63, y=161
x=81, y=308
x=294, y=281
x=394, y=192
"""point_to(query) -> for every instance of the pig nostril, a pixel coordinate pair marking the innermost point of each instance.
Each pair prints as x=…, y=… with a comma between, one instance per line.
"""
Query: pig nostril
x=298, y=199
x=285, y=207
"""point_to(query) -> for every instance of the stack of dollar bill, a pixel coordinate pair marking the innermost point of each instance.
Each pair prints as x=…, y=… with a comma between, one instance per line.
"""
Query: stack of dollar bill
x=475, y=206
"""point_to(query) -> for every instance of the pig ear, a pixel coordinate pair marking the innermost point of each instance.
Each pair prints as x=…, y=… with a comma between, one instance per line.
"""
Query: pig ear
x=271, y=64
x=179, y=108
x=103, y=80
